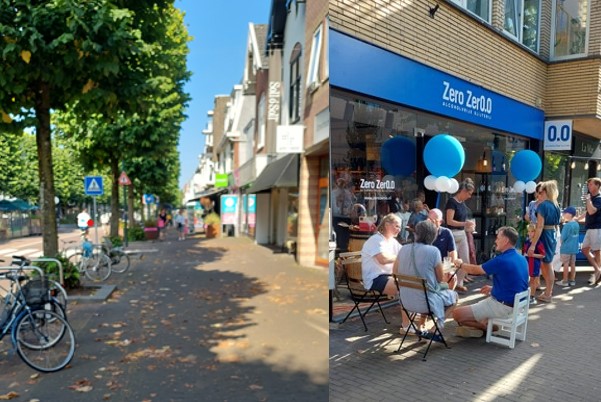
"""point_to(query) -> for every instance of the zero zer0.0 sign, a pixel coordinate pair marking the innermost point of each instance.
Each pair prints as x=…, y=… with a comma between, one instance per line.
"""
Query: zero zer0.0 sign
x=558, y=135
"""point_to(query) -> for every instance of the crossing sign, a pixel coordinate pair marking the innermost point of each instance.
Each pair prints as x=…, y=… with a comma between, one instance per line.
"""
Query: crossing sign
x=93, y=185
x=124, y=179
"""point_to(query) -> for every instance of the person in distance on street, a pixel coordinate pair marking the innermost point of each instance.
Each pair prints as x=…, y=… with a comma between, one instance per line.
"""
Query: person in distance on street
x=510, y=276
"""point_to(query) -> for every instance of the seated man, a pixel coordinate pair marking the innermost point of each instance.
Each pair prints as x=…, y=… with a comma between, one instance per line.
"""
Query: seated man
x=510, y=276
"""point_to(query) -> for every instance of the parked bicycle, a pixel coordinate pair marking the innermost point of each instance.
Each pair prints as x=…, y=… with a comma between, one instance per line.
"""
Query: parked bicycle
x=120, y=260
x=91, y=261
x=43, y=338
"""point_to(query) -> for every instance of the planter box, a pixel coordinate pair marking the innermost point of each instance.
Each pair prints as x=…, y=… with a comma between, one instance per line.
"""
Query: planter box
x=151, y=233
x=212, y=231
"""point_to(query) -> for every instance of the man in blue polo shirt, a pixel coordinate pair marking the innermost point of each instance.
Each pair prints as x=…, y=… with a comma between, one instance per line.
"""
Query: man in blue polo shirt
x=510, y=276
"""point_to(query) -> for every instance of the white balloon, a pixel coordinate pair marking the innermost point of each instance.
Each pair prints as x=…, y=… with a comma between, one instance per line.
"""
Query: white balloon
x=530, y=187
x=430, y=182
x=519, y=186
x=443, y=183
x=454, y=186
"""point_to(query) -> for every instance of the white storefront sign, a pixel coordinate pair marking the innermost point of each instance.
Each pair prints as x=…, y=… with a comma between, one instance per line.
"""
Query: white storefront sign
x=558, y=135
x=289, y=139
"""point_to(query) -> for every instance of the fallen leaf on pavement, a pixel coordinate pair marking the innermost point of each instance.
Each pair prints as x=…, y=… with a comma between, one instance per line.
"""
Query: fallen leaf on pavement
x=83, y=385
x=10, y=395
x=255, y=387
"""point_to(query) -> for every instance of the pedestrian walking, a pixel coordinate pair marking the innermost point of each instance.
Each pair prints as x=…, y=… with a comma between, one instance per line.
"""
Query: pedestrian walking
x=162, y=223
x=591, y=246
x=180, y=222
x=83, y=219
x=547, y=225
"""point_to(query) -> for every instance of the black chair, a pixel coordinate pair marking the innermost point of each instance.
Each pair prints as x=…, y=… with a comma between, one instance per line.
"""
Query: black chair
x=416, y=301
x=354, y=279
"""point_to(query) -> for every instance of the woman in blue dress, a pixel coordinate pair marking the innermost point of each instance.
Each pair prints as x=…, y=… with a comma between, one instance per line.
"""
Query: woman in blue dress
x=547, y=224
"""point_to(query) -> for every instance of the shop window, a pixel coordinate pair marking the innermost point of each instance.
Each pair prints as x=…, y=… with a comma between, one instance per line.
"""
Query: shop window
x=522, y=20
x=313, y=78
x=480, y=8
x=295, y=82
x=570, y=28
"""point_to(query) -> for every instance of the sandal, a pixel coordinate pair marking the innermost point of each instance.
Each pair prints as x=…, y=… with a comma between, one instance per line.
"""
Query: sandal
x=544, y=298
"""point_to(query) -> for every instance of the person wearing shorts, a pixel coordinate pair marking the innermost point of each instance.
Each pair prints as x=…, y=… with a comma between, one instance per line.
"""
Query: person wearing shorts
x=591, y=246
x=569, y=247
x=510, y=276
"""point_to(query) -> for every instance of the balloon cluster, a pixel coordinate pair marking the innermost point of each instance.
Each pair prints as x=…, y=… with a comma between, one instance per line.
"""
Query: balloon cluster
x=444, y=157
x=525, y=167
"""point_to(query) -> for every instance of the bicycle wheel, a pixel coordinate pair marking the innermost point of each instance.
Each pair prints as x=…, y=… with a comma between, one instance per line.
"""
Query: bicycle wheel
x=119, y=261
x=44, y=344
x=52, y=307
x=59, y=293
x=98, y=267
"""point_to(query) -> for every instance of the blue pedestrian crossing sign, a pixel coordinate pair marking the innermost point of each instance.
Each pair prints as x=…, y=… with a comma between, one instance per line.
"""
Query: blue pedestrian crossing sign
x=93, y=185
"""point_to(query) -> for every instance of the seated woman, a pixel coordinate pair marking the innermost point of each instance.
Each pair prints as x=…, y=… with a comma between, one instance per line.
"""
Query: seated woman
x=378, y=255
x=423, y=260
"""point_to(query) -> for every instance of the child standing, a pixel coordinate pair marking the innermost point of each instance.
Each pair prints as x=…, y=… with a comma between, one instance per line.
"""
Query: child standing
x=534, y=261
x=569, y=247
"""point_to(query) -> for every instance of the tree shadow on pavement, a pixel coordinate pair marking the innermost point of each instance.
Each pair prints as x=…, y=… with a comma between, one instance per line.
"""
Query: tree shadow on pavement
x=172, y=332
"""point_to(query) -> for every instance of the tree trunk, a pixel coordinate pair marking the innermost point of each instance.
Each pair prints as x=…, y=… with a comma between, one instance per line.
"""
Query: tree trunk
x=115, y=215
x=44, y=145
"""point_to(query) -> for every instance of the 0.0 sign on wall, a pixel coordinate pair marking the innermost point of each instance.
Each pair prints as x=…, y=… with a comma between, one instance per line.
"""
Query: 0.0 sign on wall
x=558, y=135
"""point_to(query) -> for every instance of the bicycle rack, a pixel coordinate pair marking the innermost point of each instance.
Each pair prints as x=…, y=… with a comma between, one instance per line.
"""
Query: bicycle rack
x=60, y=267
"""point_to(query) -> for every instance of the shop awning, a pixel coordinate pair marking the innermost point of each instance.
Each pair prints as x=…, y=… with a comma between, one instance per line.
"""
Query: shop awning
x=281, y=173
x=208, y=193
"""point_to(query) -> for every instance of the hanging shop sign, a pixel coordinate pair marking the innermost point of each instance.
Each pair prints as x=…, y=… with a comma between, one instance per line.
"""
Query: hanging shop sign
x=558, y=135
x=367, y=69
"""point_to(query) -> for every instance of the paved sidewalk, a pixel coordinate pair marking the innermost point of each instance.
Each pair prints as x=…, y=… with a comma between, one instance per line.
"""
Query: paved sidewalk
x=200, y=320
x=559, y=361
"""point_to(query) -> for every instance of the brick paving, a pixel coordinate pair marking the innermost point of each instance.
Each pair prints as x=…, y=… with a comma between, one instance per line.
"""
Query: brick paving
x=559, y=360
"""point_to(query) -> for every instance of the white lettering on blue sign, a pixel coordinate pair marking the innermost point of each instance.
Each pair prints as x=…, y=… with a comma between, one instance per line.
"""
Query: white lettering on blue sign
x=467, y=102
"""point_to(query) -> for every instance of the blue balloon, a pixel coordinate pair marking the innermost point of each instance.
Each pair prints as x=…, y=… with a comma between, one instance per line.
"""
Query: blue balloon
x=444, y=155
x=525, y=165
x=397, y=156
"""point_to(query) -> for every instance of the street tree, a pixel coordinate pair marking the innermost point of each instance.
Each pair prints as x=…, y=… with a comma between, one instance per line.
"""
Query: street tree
x=54, y=53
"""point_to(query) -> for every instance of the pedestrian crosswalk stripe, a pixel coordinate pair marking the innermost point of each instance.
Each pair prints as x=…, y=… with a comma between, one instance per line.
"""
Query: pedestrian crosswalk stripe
x=93, y=186
x=28, y=252
x=8, y=251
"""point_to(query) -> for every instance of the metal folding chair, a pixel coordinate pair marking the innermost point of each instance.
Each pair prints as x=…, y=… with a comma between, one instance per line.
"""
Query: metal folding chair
x=354, y=280
x=416, y=302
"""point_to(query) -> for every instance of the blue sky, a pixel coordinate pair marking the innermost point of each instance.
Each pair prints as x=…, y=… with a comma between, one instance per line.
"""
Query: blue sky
x=216, y=60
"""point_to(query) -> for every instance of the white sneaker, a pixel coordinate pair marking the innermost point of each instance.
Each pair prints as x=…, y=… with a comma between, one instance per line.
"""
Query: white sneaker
x=562, y=283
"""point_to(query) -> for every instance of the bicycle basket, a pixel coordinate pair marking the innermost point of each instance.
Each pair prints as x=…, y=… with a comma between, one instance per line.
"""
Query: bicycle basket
x=36, y=291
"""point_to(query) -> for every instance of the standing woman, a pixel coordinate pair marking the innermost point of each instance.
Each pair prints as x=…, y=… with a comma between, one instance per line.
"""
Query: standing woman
x=456, y=217
x=547, y=223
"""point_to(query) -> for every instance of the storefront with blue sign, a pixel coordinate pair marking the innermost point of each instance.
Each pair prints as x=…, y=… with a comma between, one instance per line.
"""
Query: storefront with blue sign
x=385, y=108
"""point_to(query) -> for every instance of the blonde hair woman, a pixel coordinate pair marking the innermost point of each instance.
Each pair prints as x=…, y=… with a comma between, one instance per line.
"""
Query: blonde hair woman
x=548, y=215
x=379, y=254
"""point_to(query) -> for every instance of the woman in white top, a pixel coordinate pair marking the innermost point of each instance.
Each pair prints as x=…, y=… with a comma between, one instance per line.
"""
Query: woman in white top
x=378, y=255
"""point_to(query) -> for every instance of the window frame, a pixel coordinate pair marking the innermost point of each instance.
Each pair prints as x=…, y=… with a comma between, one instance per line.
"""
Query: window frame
x=261, y=127
x=520, y=9
x=463, y=5
x=294, y=99
x=553, y=56
x=313, y=74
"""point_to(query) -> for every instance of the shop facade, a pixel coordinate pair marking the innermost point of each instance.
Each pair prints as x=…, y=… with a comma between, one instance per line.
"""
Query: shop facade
x=380, y=124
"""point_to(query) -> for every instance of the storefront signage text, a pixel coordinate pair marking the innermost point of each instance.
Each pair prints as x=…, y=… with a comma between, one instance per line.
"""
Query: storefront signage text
x=273, y=112
x=466, y=101
x=377, y=184
x=558, y=135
